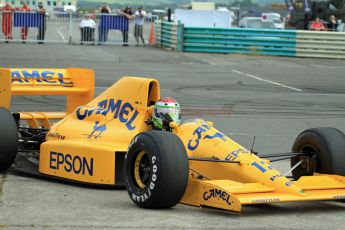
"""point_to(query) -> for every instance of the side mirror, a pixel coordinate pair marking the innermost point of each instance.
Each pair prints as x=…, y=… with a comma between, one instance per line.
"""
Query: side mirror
x=209, y=123
x=173, y=125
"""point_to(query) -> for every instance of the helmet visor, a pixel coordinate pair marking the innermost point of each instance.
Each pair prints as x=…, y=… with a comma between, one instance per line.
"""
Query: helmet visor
x=173, y=111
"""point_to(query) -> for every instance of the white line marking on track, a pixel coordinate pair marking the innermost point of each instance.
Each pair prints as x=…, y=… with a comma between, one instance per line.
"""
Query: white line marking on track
x=239, y=72
x=60, y=33
x=208, y=62
x=268, y=81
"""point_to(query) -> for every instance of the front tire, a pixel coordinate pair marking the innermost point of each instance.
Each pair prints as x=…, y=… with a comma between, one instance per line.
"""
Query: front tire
x=324, y=150
x=8, y=139
x=156, y=170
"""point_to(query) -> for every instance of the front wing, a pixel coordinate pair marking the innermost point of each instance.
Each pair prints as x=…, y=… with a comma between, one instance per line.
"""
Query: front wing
x=230, y=195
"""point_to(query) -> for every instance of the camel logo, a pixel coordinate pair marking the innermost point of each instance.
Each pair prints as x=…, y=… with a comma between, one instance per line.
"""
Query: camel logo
x=216, y=135
x=98, y=130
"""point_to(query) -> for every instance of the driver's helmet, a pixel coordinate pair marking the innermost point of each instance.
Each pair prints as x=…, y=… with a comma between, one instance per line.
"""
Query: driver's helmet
x=165, y=110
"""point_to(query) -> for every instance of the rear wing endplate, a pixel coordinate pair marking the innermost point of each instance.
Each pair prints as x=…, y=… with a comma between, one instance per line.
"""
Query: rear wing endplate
x=74, y=83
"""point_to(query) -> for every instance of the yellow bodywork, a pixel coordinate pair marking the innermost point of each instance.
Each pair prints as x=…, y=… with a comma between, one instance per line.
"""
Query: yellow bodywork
x=89, y=144
x=245, y=178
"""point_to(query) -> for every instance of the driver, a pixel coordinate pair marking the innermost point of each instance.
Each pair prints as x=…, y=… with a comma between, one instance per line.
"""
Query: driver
x=166, y=110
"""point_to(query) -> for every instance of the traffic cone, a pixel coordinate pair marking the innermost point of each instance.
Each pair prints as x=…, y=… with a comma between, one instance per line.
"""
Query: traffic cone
x=152, y=39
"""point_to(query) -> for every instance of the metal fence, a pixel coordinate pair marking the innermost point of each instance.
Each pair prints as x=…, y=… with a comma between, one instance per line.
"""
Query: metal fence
x=62, y=27
x=29, y=27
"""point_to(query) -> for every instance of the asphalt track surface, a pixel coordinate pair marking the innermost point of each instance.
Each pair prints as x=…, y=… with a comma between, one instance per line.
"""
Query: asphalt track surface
x=271, y=98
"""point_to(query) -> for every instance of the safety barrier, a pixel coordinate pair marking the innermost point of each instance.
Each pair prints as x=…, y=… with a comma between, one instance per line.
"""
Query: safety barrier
x=320, y=44
x=169, y=35
x=291, y=43
x=240, y=40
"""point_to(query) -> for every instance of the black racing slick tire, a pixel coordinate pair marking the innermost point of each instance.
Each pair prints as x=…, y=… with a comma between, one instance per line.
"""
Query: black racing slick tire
x=324, y=150
x=156, y=169
x=8, y=139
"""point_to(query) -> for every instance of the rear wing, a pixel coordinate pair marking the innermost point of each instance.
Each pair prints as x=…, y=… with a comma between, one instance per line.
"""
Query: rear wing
x=74, y=83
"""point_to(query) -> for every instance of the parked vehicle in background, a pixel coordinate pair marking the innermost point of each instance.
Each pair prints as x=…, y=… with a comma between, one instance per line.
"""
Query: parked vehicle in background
x=275, y=18
x=60, y=12
x=260, y=23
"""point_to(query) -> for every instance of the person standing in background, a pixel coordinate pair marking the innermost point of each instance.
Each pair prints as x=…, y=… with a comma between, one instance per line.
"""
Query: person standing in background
x=24, y=30
x=287, y=22
x=103, y=32
x=169, y=14
x=139, y=18
x=317, y=25
x=333, y=24
x=128, y=14
x=87, y=29
x=7, y=11
x=43, y=26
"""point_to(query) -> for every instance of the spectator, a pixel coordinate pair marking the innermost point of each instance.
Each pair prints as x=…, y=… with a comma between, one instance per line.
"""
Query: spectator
x=333, y=24
x=87, y=29
x=317, y=25
x=103, y=32
x=7, y=21
x=287, y=22
x=93, y=15
x=43, y=27
x=24, y=30
x=139, y=18
x=169, y=14
x=127, y=13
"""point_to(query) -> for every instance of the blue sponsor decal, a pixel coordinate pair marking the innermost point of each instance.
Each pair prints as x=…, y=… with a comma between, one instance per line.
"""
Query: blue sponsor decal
x=123, y=111
x=217, y=193
x=289, y=183
x=276, y=177
x=234, y=154
x=97, y=130
x=216, y=135
x=194, y=143
x=50, y=77
x=69, y=163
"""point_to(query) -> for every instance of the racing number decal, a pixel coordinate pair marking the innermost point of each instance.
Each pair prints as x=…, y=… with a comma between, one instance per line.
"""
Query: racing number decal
x=261, y=166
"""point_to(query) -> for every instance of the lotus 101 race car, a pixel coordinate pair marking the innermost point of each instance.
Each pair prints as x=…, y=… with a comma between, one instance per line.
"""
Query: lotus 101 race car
x=108, y=140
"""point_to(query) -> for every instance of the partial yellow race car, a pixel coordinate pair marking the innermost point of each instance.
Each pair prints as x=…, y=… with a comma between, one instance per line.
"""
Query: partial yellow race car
x=109, y=140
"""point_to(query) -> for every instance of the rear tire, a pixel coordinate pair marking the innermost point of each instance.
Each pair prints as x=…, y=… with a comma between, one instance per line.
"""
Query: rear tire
x=156, y=170
x=325, y=151
x=8, y=139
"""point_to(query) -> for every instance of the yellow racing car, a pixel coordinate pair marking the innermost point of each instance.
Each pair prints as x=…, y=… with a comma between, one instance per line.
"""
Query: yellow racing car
x=112, y=140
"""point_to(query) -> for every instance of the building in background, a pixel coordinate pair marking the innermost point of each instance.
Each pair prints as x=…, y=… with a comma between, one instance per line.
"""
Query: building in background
x=203, y=6
x=48, y=4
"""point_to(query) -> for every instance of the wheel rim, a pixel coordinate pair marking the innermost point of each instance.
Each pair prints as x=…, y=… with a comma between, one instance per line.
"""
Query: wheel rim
x=142, y=169
x=310, y=160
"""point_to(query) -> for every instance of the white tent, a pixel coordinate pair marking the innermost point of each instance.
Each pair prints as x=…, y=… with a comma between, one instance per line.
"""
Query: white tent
x=204, y=18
